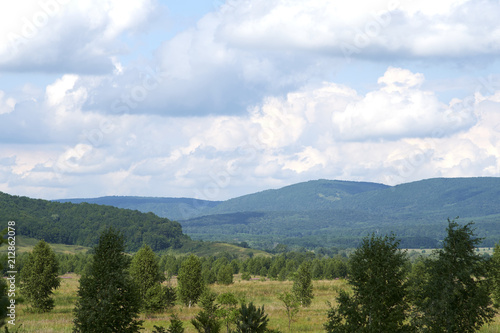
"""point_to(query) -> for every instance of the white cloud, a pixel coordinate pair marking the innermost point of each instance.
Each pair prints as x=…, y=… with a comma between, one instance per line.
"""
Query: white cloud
x=248, y=98
x=400, y=109
x=65, y=35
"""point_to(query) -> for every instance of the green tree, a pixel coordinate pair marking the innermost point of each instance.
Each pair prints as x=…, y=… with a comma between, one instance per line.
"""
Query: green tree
x=159, y=298
x=495, y=274
x=207, y=321
x=147, y=276
x=251, y=319
x=227, y=310
x=291, y=306
x=454, y=292
x=39, y=277
x=190, y=282
x=145, y=270
x=225, y=275
x=302, y=284
x=378, y=303
x=108, y=299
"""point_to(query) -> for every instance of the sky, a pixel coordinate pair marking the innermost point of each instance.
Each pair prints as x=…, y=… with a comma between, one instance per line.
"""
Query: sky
x=215, y=99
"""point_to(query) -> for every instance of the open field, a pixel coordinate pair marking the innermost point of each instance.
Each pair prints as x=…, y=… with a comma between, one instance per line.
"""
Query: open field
x=26, y=244
x=260, y=292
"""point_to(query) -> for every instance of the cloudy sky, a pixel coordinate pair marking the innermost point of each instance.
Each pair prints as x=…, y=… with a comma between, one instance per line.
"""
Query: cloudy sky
x=213, y=99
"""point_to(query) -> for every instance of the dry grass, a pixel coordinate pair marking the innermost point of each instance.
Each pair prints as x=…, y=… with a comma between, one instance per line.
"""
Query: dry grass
x=265, y=293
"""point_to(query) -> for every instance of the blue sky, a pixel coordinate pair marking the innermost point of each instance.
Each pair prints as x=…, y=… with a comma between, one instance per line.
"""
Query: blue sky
x=215, y=99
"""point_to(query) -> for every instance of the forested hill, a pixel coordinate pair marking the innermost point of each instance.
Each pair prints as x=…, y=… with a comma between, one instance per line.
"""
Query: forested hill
x=416, y=212
x=80, y=224
x=339, y=213
x=172, y=208
x=308, y=196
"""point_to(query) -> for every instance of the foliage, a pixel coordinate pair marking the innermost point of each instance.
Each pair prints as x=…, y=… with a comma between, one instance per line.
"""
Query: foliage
x=145, y=270
x=302, y=284
x=147, y=276
x=251, y=319
x=225, y=275
x=108, y=300
x=159, y=298
x=39, y=277
x=80, y=224
x=227, y=310
x=495, y=274
x=378, y=302
x=207, y=321
x=291, y=306
x=190, y=283
x=453, y=294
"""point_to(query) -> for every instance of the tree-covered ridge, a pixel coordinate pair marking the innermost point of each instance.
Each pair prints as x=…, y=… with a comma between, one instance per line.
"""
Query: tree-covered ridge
x=172, y=208
x=81, y=224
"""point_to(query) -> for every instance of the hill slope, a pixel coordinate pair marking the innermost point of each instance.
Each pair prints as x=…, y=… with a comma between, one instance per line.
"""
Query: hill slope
x=417, y=212
x=67, y=223
x=172, y=208
x=340, y=213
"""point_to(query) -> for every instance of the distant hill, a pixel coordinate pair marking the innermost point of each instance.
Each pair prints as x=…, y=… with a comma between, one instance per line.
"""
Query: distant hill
x=172, y=208
x=81, y=224
x=308, y=196
x=337, y=213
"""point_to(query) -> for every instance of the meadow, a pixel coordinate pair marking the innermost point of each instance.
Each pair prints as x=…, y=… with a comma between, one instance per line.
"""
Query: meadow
x=259, y=291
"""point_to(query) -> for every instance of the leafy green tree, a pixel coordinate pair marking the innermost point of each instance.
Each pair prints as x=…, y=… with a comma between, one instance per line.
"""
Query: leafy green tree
x=159, y=298
x=495, y=274
x=39, y=277
x=227, y=310
x=454, y=292
x=147, y=276
x=207, y=321
x=251, y=319
x=225, y=275
x=302, y=284
x=190, y=282
x=378, y=303
x=145, y=270
x=108, y=299
x=291, y=306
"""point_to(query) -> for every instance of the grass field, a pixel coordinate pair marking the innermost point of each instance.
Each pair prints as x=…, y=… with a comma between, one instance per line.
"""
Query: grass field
x=26, y=244
x=265, y=293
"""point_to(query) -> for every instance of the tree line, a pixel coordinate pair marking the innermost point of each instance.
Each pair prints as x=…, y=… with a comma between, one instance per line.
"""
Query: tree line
x=453, y=290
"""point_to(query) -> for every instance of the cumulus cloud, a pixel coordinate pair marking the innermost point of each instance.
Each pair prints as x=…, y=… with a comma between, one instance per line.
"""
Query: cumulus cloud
x=400, y=108
x=247, y=50
x=246, y=99
x=68, y=36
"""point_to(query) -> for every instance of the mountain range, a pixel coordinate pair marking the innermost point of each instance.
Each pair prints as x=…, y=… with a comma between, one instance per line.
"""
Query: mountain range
x=325, y=213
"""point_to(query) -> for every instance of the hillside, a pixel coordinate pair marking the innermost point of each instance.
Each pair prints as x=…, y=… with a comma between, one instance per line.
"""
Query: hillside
x=308, y=196
x=339, y=213
x=81, y=224
x=172, y=208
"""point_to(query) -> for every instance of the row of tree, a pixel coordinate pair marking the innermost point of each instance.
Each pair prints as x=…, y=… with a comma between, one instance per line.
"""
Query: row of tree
x=114, y=289
x=448, y=292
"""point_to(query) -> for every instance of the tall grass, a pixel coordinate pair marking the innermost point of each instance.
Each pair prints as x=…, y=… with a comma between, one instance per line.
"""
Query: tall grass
x=265, y=293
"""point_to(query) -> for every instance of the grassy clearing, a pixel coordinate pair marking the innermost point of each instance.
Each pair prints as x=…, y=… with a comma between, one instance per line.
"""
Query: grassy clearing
x=260, y=292
x=26, y=244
